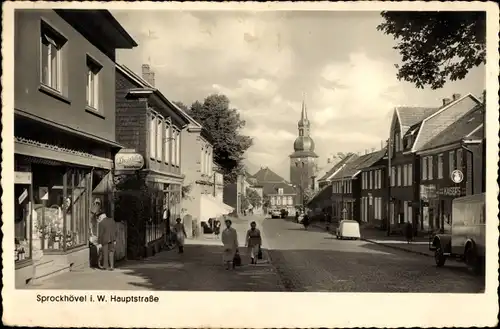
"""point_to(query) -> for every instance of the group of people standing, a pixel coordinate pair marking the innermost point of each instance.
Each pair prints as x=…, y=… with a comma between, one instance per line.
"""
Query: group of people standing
x=103, y=236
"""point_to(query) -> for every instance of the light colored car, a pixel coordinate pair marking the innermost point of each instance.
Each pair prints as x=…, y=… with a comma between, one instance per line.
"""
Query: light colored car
x=275, y=213
x=348, y=229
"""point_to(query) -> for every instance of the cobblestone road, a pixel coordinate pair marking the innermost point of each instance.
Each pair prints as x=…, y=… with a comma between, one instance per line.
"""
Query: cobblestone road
x=314, y=260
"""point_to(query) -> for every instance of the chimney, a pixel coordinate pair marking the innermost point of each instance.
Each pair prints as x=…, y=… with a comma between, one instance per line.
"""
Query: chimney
x=366, y=151
x=148, y=75
x=373, y=149
x=456, y=96
x=329, y=160
x=446, y=101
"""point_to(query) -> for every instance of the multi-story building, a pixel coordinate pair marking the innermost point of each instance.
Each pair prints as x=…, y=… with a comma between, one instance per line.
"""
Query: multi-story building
x=452, y=166
x=374, y=193
x=277, y=193
x=151, y=125
x=64, y=127
x=405, y=162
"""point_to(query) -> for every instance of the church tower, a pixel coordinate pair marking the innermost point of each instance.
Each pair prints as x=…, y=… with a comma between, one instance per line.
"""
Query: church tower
x=303, y=159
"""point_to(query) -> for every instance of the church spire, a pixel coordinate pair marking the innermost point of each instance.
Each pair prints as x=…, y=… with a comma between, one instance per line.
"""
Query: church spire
x=304, y=121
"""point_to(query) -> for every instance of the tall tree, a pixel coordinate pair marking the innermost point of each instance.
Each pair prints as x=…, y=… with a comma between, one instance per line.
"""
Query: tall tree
x=254, y=198
x=224, y=124
x=436, y=46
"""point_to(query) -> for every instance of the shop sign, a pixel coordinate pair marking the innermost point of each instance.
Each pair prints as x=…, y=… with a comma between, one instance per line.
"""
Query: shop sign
x=23, y=196
x=128, y=161
x=427, y=192
x=21, y=177
x=457, y=176
x=451, y=191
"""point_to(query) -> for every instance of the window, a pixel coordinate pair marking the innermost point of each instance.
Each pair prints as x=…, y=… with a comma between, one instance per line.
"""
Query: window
x=459, y=159
x=290, y=200
x=380, y=179
x=273, y=200
x=152, y=136
x=440, y=166
x=451, y=162
x=159, y=139
x=278, y=201
x=50, y=59
x=424, y=168
x=167, y=139
x=393, y=176
x=363, y=180
x=405, y=175
x=93, y=69
x=371, y=179
x=202, y=161
x=280, y=191
x=430, y=169
x=410, y=174
x=178, y=148
x=399, y=175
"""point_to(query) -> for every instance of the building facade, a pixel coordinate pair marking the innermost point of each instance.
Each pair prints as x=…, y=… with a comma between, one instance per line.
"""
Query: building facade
x=374, y=193
x=64, y=127
x=303, y=159
x=451, y=166
x=277, y=193
x=151, y=125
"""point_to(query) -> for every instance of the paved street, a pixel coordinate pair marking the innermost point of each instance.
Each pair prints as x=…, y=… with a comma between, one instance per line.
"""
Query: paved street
x=301, y=260
x=314, y=260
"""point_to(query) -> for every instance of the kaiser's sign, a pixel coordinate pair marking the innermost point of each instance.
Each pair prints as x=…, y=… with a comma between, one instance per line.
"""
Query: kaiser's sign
x=128, y=160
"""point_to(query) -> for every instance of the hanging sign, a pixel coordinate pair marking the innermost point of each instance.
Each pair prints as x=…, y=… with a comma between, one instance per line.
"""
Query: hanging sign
x=128, y=160
x=23, y=196
x=43, y=193
x=457, y=176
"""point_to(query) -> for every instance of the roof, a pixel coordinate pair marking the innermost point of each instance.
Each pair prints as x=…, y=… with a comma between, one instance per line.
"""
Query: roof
x=266, y=175
x=411, y=115
x=470, y=124
x=91, y=22
x=145, y=86
x=337, y=166
x=374, y=158
x=326, y=191
x=439, y=121
x=272, y=188
x=351, y=168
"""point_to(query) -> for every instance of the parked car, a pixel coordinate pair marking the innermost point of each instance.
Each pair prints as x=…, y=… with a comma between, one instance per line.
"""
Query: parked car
x=348, y=229
x=467, y=240
x=275, y=213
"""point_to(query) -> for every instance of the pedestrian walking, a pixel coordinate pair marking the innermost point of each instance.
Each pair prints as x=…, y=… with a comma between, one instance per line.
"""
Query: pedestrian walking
x=253, y=242
x=230, y=242
x=180, y=234
x=409, y=232
x=107, y=239
x=305, y=221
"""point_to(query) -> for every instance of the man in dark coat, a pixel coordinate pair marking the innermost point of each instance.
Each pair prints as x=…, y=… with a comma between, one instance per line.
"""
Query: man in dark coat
x=107, y=239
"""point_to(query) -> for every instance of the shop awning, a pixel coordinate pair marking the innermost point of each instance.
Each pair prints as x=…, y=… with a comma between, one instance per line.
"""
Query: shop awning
x=212, y=208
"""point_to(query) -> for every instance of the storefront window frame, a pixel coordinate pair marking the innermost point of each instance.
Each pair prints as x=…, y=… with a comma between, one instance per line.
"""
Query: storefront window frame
x=23, y=262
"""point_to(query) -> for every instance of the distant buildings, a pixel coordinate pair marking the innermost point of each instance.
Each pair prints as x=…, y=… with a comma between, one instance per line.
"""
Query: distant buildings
x=435, y=155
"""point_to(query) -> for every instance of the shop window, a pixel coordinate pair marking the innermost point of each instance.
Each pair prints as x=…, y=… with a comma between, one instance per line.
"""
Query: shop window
x=51, y=44
x=93, y=69
x=62, y=215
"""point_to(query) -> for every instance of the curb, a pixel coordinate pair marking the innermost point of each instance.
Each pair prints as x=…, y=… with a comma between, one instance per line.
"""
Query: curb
x=398, y=248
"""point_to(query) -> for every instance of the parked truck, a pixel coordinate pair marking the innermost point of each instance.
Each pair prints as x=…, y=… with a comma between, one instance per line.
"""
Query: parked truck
x=467, y=241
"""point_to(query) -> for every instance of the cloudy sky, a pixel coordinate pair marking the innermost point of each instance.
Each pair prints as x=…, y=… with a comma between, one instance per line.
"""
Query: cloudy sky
x=265, y=61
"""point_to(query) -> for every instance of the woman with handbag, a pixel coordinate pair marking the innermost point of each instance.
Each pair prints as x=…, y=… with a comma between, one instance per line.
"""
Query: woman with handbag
x=180, y=234
x=254, y=242
x=230, y=242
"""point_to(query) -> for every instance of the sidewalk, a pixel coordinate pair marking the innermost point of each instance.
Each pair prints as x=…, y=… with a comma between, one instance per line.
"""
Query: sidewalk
x=420, y=245
x=200, y=268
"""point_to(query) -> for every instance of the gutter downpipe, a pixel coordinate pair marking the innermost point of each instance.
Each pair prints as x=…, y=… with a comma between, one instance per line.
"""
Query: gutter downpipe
x=389, y=181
